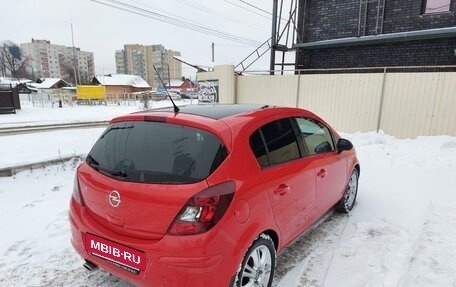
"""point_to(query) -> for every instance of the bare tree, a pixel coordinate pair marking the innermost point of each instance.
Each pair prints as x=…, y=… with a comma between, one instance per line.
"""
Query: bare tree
x=12, y=62
x=67, y=73
x=85, y=78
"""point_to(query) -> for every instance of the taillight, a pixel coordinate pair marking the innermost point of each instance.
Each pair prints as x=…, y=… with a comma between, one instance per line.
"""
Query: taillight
x=77, y=191
x=203, y=210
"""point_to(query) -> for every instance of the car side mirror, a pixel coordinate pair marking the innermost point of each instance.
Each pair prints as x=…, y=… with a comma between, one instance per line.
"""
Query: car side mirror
x=323, y=147
x=343, y=144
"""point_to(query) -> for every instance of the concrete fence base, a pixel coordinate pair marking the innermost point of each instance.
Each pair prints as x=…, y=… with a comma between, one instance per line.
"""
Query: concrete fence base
x=10, y=171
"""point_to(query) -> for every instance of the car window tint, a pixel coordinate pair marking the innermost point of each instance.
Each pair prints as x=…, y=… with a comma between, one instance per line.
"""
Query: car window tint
x=280, y=141
x=258, y=149
x=315, y=136
x=153, y=152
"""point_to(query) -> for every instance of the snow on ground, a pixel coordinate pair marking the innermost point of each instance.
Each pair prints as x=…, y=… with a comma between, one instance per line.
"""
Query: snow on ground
x=37, y=147
x=400, y=233
x=30, y=115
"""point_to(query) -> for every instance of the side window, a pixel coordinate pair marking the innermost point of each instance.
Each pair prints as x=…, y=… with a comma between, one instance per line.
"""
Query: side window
x=315, y=136
x=257, y=146
x=280, y=140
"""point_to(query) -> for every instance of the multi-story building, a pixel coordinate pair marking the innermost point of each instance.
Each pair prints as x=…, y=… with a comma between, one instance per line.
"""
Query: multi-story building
x=175, y=67
x=56, y=61
x=120, y=62
x=376, y=33
x=140, y=60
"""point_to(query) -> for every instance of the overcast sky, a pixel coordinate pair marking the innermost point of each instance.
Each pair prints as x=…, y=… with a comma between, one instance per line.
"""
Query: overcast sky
x=103, y=30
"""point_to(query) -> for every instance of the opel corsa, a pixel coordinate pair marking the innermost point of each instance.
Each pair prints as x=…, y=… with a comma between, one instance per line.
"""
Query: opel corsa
x=208, y=195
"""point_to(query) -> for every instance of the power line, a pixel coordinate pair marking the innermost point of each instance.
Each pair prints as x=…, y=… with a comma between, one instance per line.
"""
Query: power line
x=184, y=23
x=216, y=13
x=256, y=7
x=254, y=12
x=176, y=22
x=242, y=7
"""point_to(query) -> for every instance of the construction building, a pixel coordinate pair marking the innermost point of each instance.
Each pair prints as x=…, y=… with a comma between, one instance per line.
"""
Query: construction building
x=140, y=60
x=57, y=61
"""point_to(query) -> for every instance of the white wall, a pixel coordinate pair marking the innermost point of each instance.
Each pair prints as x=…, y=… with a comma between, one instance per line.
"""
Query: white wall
x=227, y=82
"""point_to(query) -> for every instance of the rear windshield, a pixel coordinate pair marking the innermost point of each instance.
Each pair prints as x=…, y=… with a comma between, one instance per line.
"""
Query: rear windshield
x=155, y=152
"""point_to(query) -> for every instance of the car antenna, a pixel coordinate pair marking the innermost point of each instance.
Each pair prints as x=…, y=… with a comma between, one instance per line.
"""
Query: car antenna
x=176, y=108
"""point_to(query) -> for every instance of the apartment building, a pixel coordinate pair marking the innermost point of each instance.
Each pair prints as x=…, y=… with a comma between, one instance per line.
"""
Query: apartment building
x=136, y=59
x=175, y=67
x=56, y=61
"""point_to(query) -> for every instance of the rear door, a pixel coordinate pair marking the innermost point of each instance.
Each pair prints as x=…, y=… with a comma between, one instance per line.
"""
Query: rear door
x=139, y=175
x=329, y=166
x=289, y=179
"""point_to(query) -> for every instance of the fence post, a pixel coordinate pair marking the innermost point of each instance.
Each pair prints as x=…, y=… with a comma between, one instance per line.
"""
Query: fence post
x=382, y=97
x=298, y=90
x=433, y=114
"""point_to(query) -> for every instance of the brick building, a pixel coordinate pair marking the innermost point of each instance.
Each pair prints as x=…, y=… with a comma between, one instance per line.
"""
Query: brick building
x=360, y=33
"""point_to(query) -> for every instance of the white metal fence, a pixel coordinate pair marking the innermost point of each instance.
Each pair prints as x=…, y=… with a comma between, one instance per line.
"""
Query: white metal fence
x=403, y=104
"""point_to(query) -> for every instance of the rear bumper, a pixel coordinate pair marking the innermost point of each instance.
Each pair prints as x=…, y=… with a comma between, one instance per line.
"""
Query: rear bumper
x=170, y=261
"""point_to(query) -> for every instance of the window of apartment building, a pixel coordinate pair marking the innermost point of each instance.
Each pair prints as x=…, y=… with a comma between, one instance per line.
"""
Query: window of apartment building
x=436, y=6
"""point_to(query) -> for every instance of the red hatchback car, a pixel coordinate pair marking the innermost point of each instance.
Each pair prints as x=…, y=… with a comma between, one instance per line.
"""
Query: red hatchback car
x=207, y=196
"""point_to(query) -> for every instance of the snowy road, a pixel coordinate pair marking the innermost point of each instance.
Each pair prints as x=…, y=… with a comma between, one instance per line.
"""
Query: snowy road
x=401, y=232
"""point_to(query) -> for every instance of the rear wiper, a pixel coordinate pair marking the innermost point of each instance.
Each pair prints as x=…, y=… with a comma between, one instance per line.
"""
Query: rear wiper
x=110, y=129
x=92, y=162
x=114, y=172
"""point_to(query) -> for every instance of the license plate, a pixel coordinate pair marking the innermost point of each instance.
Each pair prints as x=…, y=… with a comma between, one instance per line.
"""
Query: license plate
x=115, y=253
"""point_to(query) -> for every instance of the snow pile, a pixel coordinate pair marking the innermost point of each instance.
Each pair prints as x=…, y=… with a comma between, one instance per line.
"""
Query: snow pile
x=401, y=232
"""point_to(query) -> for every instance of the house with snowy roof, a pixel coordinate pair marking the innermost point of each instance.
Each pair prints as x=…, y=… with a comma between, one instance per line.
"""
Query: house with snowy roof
x=13, y=82
x=121, y=84
x=50, y=84
x=181, y=85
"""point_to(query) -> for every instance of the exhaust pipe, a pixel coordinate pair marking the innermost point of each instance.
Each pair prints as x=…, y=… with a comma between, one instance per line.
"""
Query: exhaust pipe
x=90, y=266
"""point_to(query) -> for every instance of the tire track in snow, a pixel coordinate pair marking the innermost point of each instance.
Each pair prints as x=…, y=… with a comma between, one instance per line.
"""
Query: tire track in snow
x=433, y=258
x=294, y=264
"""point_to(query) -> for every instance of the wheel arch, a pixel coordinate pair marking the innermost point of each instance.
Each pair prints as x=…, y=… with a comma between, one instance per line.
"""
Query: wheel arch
x=358, y=168
x=274, y=236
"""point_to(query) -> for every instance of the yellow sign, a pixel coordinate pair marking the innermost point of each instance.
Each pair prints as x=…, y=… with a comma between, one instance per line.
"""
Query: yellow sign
x=91, y=92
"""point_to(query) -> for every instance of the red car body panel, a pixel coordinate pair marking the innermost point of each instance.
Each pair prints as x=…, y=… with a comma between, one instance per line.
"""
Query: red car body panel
x=282, y=200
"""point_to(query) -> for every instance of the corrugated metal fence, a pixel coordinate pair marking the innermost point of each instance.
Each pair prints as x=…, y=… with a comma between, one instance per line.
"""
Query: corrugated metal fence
x=403, y=104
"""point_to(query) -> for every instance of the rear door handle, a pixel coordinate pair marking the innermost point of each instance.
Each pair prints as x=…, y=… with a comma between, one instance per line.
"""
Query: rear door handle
x=282, y=189
x=322, y=173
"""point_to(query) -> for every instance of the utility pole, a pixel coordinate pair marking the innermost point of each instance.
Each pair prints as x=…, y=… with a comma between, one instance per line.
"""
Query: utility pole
x=169, y=78
x=74, y=58
x=213, y=50
x=32, y=62
x=274, y=35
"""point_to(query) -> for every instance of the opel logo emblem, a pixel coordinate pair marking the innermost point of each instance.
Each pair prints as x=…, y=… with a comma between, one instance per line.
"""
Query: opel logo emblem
x=114, y=198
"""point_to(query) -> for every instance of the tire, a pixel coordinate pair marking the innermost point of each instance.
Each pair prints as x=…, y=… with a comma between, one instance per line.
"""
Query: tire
x=258, y=266
x=345, y=205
